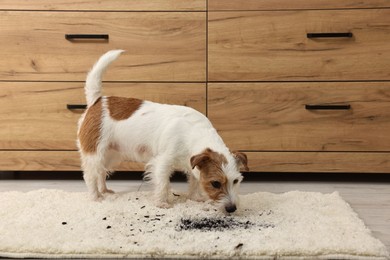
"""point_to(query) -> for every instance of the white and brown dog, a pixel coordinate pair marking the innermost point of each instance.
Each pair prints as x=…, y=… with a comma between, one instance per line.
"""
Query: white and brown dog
x=167, y=138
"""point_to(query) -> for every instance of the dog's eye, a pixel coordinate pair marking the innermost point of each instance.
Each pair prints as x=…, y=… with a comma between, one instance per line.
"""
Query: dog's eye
x=216, y=184
x=235, y=181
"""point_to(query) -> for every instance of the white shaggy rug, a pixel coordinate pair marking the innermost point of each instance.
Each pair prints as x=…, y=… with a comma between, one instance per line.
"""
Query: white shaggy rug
x=53, y=223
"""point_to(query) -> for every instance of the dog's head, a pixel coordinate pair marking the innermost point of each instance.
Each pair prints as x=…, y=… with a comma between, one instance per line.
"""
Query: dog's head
x=220, y=176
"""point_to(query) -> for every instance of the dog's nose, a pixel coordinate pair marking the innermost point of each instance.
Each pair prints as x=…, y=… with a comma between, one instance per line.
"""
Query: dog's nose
x=230, y=208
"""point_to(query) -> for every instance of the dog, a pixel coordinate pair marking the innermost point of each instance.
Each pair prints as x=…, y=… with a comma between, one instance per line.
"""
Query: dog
x=167, y=138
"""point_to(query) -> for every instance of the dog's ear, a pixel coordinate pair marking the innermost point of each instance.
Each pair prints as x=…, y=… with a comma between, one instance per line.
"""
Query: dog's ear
x=241, y=159
x=200, y=160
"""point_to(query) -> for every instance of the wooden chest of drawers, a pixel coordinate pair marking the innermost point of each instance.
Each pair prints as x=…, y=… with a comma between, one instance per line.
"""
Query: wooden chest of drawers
x=300, y=86
x=48, y=47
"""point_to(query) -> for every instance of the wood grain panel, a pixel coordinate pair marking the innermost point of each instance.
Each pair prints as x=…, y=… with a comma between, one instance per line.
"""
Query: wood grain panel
x=319, y=162
x=273, y=46
x=161, y=46
x=218, y=5
x=50, y=161
x=272, y=116
x=105, y=5
x=34, y=116
x=258, y=162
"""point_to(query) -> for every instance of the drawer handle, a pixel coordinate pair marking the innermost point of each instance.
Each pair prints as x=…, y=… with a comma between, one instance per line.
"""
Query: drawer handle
x=72, y=37
x=328, y=107
x=329, y=35
x=76, y=106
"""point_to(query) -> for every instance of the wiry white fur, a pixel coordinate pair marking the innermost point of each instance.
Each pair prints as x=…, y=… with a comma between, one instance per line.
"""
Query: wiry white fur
x=93, y=84
x=172, y=134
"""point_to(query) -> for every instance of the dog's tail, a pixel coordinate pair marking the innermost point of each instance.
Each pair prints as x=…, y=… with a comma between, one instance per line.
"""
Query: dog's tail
x=93, y=84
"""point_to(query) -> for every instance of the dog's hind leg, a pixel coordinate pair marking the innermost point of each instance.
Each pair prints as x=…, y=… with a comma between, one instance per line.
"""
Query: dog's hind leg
x=93, y=170
x=102, y=186
x=112, y=160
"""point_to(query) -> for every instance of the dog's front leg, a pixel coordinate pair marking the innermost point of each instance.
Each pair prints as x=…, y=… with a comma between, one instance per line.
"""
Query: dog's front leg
x=195, y=193
x=160, y=173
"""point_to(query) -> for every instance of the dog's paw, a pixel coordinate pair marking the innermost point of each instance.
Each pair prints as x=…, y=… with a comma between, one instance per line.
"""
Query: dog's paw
x=198, y=198
x=97, y=197
x=110, y=196
x=163, y=205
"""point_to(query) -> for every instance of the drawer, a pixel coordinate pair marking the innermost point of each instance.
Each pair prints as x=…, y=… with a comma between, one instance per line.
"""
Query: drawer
x=161, y=46
x=258, y=161
x=50, y=161
x=274, y=46
x=105, y=5
x=219, y=5
x=34, y=116
x=341, y=162
x=274, y=116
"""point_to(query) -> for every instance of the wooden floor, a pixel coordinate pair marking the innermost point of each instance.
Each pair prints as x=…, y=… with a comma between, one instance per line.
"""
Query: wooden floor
x=371, y=200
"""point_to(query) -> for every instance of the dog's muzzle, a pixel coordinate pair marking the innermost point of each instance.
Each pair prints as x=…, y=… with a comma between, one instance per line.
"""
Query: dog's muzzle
x=230, y=208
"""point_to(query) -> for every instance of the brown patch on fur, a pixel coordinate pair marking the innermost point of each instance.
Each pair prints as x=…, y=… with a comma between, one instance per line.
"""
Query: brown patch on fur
x=241, y=159
x=121, y=108
x=210, y=165
x=90, y=128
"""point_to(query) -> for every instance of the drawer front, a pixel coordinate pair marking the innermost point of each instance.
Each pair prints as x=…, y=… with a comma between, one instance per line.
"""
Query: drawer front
x=50, y=161
x=105, y=5
x=351, y=162
x=302, y=116
x=274, y=46
x=221, y=5
x=258, y=162
x=34, y=116
x=161, y=46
